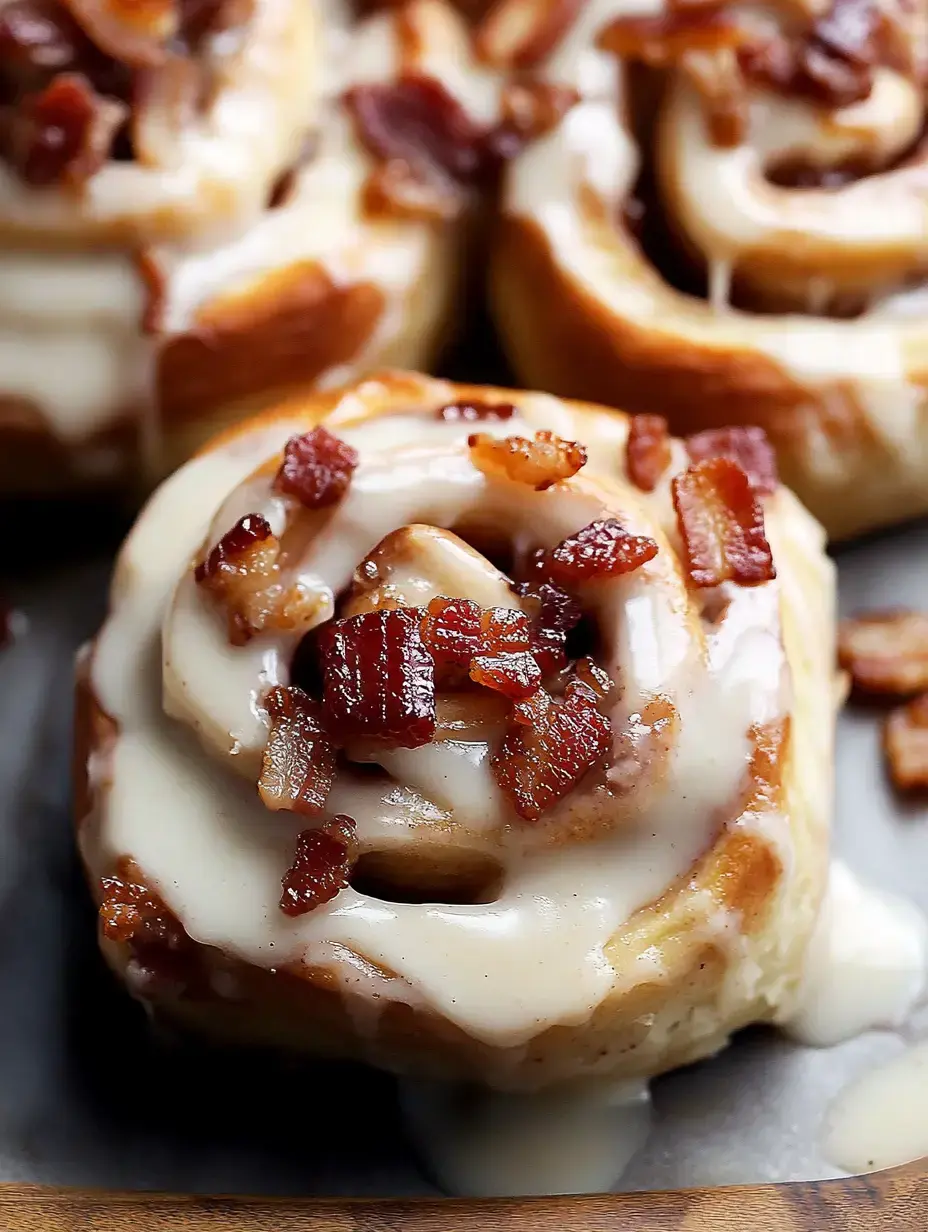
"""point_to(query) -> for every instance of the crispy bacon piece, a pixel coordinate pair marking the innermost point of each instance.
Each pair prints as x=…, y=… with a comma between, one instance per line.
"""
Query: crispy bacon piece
x=599, y=551
x=647, y=451
x=321, y=866
x=298, y=769
x=242, y=573
x=748, y=445
x=316, y=469
x=594, y=677
x=721, y=525
x=130, y=912
x=378, y=678
x=905, y=742
x=64, y=134
x=493, y=644
x=886, y=652
x=549, y=747
x=554, y=613
x=514, y=674
x=475, y=412
x=538, y=464
x=665, y=39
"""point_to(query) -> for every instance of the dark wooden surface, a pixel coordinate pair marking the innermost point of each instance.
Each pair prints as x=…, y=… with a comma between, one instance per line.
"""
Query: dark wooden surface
x=892, y=1201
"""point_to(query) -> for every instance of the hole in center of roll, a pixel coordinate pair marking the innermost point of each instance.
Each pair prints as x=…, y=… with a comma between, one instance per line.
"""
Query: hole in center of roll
x=428, y=874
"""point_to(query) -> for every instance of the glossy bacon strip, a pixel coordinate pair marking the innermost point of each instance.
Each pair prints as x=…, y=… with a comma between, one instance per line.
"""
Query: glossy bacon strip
x=549, y=747
x=537, y=463
x=647, y=450
x=317, y=468
x=321, y=866
x=748, y=445
x=886, y=652
x=722, y=525
x=905, y=741
x=599, y=551
x=378, y=678
x=298, y=768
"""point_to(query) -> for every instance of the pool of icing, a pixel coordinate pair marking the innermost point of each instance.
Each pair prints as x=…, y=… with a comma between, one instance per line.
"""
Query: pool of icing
x=88, y=1098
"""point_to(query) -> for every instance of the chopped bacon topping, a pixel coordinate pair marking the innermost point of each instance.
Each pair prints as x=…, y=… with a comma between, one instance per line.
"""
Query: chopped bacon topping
x=600, y=550
x=539, y=464
x=665, y=39
x=316, y=469
x=905, y=741
x=378, y=678
x=474, y=412
x=130, y=912
x=594, y=677
x=748, y=445
x=63, y=134
x=515, y=674
x=722, y=525
x=298, y=769
x=554, y=613
x=242, y=573
x=321, y=866
x=886, y=652
x=647, y=451
x=549, y=747
x=494, y=644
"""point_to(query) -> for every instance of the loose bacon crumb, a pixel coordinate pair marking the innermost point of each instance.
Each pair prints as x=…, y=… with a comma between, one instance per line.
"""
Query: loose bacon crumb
x=321, y=866
x=905, y=741
x=549, y=747
x=594, y=677
x=647, y=451
x=316, y=469
x=748, y=445
x=452, y=631
x=493, y=644
x=63, y=134
x=722, y=525
x=554, y=613
x=130, y=912
x=474, y=412
x=242, y=574
x=378, y=678
x=539, y=464
x=600, y=550
x=298, y=769
x=886, y=652
x=515, y=674
x=665, y=39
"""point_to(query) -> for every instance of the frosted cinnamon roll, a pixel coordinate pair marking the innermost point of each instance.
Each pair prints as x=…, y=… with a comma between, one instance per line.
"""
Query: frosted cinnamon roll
x=197, y=216
x=730, y=228
x=458, y=730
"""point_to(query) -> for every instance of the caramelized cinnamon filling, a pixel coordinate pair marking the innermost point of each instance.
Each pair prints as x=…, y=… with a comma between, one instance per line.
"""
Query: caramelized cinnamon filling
x=76, y=77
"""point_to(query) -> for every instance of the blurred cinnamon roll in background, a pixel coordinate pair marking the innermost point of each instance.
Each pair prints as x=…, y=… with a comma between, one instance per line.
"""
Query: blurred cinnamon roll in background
x=204, y=203
x=470, y=732
x=731, y=227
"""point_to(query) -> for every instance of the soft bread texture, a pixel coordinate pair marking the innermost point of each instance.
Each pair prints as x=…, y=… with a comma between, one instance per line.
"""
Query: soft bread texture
x=718, y=946
x=133, y=328
x=585, y=313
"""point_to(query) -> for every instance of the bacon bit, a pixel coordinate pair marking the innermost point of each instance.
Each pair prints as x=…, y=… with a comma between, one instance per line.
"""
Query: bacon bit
x=539, y=464
x=549, y=747
x=378, y=678
x=886, y=652
x=298, y=769
x=594, y=677
x=554, y=614
x=515, y=674
x=452, y=630
x=748, y=445
x=722, y=525
x=905, y=742
x=321, y=866
x=600, y=550
x=64, y=134
x=475, y=412
x=242, y=573
x=664, y=40
x=647, y=451
x=316, y=469
x=130, y=912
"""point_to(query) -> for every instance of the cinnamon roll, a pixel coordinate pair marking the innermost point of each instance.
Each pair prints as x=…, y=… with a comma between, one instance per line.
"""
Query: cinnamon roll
x=730, y=228
x=204, y=205
x=458, y=730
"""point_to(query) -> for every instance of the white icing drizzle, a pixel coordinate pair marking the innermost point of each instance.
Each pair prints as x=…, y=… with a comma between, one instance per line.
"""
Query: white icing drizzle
x=217, y=857
x=576, y=1139
x=881, y=1120
x=866, y=966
